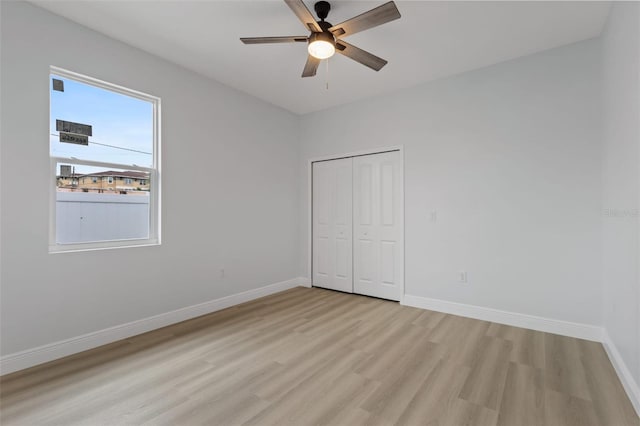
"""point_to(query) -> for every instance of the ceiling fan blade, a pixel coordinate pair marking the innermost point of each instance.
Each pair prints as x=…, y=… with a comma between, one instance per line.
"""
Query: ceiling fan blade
x=359, y=55
x=378, y=16
x=284, y=39
x=304, y=15
x=310, y=67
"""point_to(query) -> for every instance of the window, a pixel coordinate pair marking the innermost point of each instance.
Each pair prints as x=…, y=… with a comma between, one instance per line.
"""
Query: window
x=100, y=136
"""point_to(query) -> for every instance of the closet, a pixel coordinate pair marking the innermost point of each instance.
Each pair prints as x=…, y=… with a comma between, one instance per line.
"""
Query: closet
x=357, y=229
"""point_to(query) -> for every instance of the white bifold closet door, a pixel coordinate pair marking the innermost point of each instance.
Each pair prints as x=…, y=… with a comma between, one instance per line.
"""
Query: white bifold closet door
x=357, y=225
x=378, y=251
x=332, y=224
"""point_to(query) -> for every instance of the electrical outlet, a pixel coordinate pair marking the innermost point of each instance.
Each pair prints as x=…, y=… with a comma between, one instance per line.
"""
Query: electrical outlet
x=462, y=276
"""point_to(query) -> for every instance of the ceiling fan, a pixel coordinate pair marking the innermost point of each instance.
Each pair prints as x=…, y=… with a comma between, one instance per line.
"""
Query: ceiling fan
x=326, y=39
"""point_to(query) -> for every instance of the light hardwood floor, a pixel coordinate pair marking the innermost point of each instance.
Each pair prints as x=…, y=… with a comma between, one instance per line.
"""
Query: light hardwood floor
x=312, y=356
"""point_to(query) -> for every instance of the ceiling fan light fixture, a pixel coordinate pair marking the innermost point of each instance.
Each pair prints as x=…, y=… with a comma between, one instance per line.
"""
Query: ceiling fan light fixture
x=322, y=45
x=326, y=39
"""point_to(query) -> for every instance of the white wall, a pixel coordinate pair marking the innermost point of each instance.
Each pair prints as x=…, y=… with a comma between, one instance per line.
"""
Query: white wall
x=621, y=181
x=229, y=190
x=509, y=158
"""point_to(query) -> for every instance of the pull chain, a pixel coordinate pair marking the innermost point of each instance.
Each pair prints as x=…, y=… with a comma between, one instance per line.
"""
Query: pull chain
x=327, y=75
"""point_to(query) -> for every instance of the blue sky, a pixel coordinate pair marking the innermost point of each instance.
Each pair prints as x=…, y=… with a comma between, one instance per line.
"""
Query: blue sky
x=117, y=120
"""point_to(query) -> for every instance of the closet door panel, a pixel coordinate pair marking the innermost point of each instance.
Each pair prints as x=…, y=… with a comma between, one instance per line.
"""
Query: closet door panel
x=388, y=262
x=321, y=228
x=332, y=225
x=378, y=251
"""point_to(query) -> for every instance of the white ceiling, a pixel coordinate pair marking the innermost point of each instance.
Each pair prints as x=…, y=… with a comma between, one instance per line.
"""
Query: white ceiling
x=432, y=39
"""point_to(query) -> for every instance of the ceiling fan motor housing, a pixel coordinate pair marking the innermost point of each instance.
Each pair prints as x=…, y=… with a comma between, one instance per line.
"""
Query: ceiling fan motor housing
x=323, y=36
x=325, y=26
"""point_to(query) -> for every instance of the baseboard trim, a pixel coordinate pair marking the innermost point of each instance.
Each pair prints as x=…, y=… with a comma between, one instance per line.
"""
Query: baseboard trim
x=565, y=328
x=39, y=355
x=630, y=386
x=305, y=282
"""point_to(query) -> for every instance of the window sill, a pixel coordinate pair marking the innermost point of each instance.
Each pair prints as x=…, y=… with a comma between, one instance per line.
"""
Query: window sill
x=105, y=245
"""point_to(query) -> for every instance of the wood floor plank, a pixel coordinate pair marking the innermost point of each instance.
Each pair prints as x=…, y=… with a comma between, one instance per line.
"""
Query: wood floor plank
x=464, y=350
x=464, y=413
x=607, y=393
x=404, y=379
x=564, y=371
x=386, y=357
x=528, y=345
x=313, y=356
x=292, y=406
x=436, y=398
x=429, y=319
x=568, y=410
x=485, y=384
x=523, y=397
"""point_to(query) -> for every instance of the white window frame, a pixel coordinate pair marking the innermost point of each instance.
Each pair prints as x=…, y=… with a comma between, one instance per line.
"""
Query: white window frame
x=154, y=171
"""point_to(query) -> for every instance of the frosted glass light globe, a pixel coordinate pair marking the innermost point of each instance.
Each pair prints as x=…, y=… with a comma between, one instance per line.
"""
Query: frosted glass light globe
x=321, y=49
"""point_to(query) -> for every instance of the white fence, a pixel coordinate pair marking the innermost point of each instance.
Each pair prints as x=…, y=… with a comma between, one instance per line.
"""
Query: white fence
x=84, y=217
